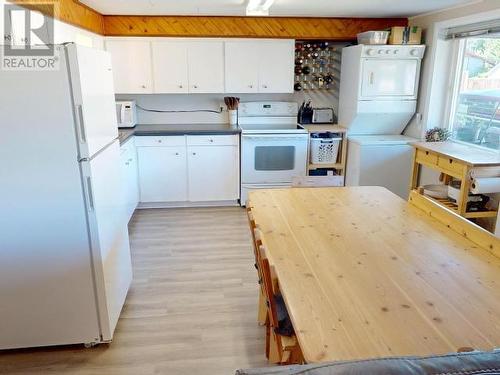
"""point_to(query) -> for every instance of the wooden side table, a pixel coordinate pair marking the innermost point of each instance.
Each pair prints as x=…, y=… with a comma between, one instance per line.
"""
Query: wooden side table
x=454, y=160
x=341, y=159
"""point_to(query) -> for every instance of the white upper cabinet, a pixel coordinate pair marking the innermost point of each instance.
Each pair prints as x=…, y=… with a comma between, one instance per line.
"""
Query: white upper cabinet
x=276, y=66
x=175, y=66
x=170, y=67
x=242, y=66
x=259, y=66
x=131, y=59
x=206, y=66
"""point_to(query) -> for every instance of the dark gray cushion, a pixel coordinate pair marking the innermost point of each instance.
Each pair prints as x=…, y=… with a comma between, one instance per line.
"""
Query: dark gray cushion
x=472, y=363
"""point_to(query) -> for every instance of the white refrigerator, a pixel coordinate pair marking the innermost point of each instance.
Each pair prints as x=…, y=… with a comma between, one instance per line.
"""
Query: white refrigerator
x=65, y=266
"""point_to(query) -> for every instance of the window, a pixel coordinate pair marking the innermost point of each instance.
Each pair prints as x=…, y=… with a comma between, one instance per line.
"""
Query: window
x=475, y=114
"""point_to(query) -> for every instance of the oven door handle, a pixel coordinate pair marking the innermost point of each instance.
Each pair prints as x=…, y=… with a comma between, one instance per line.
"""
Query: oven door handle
x=275, y=137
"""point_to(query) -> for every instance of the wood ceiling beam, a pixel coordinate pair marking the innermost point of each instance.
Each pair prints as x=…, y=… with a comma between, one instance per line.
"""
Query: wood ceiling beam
x=246, y=27
x=80, y=15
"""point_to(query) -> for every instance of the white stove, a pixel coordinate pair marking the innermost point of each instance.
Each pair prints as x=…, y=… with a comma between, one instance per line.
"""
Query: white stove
x=273, y=145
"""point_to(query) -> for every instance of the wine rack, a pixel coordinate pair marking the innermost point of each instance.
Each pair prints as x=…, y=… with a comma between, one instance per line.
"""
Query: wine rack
x=317, y=65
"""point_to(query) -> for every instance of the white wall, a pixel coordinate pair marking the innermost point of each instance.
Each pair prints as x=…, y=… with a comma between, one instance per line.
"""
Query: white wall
x=212, y=102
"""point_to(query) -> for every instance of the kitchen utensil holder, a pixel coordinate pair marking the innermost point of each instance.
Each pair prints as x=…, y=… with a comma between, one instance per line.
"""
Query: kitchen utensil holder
x=233, y=116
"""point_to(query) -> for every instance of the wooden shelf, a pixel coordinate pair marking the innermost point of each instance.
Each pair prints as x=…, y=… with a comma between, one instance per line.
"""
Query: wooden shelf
x=332, y=165
x=451, y=205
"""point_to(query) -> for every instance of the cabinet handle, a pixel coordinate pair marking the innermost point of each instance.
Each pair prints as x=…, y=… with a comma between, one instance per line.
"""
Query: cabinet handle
x=264, y=86
x=176, y=153
x=195, y=86
x=251, y=86
x=371, y=77
x=127, y=163
x=194, y=153
x=211, y=140
x=180, y=86
x=129, y=160
x=143, y=86
x=159, y=140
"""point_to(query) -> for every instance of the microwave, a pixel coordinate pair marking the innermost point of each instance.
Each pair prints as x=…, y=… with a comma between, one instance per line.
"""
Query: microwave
x=126, y=113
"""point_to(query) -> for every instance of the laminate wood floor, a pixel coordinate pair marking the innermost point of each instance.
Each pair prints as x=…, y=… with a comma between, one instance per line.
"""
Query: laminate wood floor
x=192, y=307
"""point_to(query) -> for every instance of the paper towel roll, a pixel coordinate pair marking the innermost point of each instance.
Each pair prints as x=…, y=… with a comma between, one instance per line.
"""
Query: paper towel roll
x=485, y=172
x=485, y=185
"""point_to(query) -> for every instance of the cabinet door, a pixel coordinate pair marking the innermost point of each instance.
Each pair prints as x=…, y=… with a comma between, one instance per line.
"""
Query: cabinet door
x=170, y=67
x=206, y=67
x=213, y=173
x=131, y=61
x=130, y=182
x=162, y=174
x=276, y=66
x=132, y=179
x=242, y=66
x=390, y=77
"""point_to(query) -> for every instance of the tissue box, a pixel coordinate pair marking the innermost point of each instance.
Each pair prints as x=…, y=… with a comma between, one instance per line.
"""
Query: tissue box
x=405, y=35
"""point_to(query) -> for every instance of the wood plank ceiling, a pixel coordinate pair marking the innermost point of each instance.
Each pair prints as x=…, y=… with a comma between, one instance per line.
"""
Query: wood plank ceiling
x=75, y=13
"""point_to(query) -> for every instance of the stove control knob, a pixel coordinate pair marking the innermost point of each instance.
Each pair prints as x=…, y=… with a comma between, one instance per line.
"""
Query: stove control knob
x=380, y=51
x=396, y=51
x=414, y=52
x=370, y=52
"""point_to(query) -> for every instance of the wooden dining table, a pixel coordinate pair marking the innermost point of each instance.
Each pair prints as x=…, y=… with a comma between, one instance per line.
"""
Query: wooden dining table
x=365, y=274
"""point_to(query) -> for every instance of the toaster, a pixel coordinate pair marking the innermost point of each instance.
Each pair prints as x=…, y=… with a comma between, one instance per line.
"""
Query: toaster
x=323, y=116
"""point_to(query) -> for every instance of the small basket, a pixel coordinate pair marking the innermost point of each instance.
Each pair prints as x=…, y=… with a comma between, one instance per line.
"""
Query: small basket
x=325, y=150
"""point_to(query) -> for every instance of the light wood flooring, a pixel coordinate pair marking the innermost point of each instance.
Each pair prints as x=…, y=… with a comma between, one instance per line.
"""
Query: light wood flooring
x=192, y=307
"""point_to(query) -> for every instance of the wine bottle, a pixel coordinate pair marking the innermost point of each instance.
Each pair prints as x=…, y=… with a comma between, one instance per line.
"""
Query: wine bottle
x=297, y=87
x=298, y=69
x=306, y=70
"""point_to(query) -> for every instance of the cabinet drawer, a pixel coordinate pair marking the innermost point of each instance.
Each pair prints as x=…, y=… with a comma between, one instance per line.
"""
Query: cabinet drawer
x=453, y=166
x=208, y=140
x=160, y=141
x=427, y=157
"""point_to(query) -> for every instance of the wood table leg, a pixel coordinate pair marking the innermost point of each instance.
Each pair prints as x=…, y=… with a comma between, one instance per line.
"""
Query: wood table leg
x=464, y=192
x=415, y=172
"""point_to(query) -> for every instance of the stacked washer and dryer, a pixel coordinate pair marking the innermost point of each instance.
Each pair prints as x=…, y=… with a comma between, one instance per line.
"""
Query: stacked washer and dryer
x=378, y=97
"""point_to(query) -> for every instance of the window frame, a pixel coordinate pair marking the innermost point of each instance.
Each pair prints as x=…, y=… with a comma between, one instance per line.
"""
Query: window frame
x=457, y=50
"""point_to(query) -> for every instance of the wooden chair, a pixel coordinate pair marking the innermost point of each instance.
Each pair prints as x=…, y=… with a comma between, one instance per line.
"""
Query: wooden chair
x=256, y=242
x=316, y=181
x=282, y=349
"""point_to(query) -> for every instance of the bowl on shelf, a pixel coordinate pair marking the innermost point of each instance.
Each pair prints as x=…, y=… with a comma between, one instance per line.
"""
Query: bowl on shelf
x=436, y=191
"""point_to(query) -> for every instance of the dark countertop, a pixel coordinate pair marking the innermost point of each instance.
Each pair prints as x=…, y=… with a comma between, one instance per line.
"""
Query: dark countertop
x=177, y=129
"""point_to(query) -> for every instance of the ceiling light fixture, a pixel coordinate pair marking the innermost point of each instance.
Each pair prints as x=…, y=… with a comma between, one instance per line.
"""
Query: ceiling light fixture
x=259, y=7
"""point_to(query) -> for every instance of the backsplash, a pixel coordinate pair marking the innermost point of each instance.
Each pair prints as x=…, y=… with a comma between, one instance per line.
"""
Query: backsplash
x=183, y=102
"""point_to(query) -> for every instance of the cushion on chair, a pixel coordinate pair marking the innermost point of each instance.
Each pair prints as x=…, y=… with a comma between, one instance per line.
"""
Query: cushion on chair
x=472, y=363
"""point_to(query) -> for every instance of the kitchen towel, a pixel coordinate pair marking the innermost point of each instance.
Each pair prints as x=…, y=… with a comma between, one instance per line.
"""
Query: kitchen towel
x=485, y=185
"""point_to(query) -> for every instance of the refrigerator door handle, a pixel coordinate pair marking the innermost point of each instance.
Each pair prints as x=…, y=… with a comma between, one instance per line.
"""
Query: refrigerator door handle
x=91, y=193
x=82, y=124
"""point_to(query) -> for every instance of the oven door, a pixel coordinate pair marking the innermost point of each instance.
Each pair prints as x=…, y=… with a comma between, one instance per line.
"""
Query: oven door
x=272, y=158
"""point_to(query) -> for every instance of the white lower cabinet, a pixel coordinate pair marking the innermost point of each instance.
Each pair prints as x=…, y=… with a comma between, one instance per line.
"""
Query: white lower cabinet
x=128, y=157
x=162, y=174
x=213, y=173
x=188, y=168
